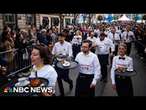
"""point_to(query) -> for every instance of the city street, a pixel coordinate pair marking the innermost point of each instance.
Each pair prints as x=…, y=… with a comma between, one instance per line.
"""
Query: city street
x=103, y=89
x=61, y=36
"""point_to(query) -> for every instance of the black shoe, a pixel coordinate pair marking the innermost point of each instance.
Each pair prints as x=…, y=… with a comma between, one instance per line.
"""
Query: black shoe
x=71, y=86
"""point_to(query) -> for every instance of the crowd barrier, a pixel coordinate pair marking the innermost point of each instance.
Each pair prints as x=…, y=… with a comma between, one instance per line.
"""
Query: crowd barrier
x=16, y=60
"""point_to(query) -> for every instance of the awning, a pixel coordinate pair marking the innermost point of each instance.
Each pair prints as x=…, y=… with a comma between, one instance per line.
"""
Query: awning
x=124, y=18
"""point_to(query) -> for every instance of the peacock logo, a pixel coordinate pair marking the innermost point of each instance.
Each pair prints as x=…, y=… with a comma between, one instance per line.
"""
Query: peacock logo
x=6, y=90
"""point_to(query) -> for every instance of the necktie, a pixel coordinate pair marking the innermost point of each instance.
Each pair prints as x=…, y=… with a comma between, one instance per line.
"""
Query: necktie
x=127, y=36
x=113, y=37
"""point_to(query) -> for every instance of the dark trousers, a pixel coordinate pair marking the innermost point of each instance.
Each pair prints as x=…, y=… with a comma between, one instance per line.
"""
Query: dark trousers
x=83, y=85
x=140, y=48
x=103, y=59
x=128, y=48
x=124, y=86
x=63, y=74
x=116, y=50
x=76, y=49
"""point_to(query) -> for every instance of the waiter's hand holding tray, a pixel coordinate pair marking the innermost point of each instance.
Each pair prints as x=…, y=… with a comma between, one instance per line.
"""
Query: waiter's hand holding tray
x=66, y=63
x=33, y=82
x=124, y=72
x=37, y=82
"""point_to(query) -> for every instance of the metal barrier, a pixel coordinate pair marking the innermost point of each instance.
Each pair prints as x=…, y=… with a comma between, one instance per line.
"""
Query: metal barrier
x=16, y=60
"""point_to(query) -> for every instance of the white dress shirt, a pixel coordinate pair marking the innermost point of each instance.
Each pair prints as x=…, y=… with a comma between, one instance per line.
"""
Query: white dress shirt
x=77, y=40
x=97, y=31
x=106, y=32
x=118, y=31
x=126, y=63
x=115, y=38
x=89, y=64
x=104, y=46
x=93, y=40
x=65, y=49
x=47, y=72
x=130, y=35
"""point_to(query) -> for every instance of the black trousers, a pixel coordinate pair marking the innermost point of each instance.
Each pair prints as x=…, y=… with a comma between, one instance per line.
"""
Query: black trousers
x=124, y=86
x=116, y=50
x=76, y=49
x=103, y=59
x=62, y=74
x=83, y=86
x=140, y=48
x=128, y=48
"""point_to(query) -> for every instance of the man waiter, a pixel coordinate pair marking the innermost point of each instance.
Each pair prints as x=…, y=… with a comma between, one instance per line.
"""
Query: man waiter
x=93, y=40
x=63, y=47
x=127, y=37
x=115, y=37
x=104, y=45
x=89, y=71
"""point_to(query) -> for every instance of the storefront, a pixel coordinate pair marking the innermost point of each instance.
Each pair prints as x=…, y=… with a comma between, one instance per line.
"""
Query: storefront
x=10, y=20
x=47, y=21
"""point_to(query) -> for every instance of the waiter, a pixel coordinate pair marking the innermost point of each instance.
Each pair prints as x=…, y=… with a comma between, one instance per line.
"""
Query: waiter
x=76, y=43
x=63, y=47
x=93, y=39
x=89, y=71
x=115, y=37
x=127, y=37
x=104, y=45
x=122, y=84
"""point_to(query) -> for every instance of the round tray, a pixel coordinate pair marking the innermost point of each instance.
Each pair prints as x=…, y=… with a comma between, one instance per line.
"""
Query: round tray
x=43, y=80
x=72, y=65
x=127, y=73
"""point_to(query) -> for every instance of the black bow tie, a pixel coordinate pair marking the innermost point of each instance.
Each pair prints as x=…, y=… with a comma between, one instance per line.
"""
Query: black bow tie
x=123, y=58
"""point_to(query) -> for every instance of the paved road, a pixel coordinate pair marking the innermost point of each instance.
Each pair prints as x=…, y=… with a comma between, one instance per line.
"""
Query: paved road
x=102, y=89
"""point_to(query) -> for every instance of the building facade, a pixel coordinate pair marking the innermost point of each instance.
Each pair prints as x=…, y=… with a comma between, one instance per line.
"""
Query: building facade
x=24, y=21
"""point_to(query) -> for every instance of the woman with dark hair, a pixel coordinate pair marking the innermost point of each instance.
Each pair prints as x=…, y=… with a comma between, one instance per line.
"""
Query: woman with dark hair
x=41, y=60
x=7, y=44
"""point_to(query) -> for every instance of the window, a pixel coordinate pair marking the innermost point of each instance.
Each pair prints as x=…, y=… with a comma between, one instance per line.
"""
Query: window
x=67, y=21
x=73, y=21
x=29, y=19
x=54, y=21
x=45, y=22
x=9, y=18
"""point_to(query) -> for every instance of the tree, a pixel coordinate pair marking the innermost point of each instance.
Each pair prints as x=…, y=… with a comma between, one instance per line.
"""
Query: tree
x=144, y=17
x=100, y=18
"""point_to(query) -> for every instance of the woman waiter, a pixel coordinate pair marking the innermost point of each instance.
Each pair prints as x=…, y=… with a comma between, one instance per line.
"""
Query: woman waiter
x=41, y=60
x=121, y=63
